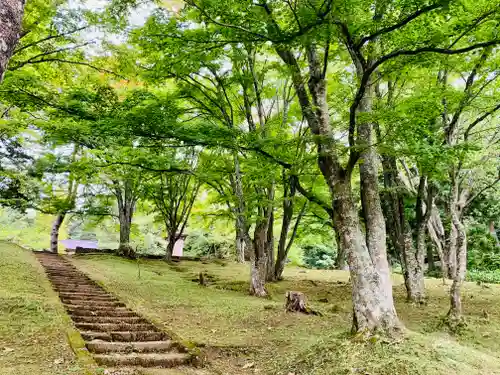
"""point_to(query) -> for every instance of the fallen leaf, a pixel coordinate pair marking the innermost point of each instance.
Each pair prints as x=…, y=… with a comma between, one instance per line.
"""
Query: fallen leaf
x=8, y=350
x=248, y=365
x=58, y=361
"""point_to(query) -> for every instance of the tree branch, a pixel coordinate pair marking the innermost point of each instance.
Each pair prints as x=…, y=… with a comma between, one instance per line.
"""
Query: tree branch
x=312, y=197
x=102, y=70
x=473, y=198
x=478, y=120
x=50, y=37
x=398, y=25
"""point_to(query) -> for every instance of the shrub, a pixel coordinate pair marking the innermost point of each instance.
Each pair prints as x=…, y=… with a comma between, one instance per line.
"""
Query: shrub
x=483, y=252
x=319, y=257
x=492, y=277
x=208, y=245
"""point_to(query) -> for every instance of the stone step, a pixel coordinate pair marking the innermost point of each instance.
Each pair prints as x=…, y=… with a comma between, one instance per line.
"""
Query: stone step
x=108, y=319
x=143, y=359
x=122, y=336
x=109, y=327
x=70, y=287
x=84, y=299
x=118, y=311
x=85, y=293
x=93, y=305
x=102, y=347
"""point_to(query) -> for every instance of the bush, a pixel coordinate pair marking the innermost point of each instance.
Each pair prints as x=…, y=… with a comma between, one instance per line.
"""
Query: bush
x=207, y=245
x=492, y=277
x=483, y=252
x=319, y=256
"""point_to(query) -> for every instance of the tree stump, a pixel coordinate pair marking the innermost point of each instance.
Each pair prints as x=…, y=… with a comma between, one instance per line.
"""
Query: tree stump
x=296, y=302
x=202, y=280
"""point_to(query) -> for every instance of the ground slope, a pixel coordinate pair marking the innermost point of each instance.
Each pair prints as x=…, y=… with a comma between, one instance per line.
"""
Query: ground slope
x=33, y=324
x=245, y=334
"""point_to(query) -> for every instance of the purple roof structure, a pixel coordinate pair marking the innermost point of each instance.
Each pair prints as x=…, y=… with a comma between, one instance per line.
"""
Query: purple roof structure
x=73, y=244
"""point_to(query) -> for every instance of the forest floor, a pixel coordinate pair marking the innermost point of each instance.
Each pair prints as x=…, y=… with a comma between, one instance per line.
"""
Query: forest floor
x=240, y=334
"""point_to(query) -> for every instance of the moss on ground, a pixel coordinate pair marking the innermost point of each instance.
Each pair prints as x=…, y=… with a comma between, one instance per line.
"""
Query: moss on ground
x=243, y=335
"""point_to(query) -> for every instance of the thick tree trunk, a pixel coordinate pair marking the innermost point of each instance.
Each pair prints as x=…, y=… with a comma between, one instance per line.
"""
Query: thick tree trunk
x=373, y=304
x=126, y=204
x=171, y=239
x=125, y=218
x=414, y=267
x=370, y=196
x=54, y=234
x=258, y=269
x=11, y=16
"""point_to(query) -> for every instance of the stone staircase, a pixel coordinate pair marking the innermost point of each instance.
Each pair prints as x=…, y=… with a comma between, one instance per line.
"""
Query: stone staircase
x=114, y=334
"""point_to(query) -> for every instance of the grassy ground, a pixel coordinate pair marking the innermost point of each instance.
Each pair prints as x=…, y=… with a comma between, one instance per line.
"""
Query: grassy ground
x=33, y=324
x=243, y=334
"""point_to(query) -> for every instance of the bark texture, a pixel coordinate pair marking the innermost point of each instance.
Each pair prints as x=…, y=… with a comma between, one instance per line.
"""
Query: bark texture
x=54, y=234
x=11, y=16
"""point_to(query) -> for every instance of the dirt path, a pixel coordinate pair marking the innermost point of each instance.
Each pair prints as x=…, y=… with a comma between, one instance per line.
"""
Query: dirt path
x=115, y=335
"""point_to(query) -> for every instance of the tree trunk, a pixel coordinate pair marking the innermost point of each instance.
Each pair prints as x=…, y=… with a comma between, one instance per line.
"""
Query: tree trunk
x=282, y=248
x=373, y=304
x=258, y=269
x=431, y=266
x=450, y=251
x=240, y=243
x=285, y=226
x=244, y=244
x=171, y=239
x=11, y=16
x=54, y=234
x=125, y=218
x=370, y=197
x=455, y=313
x=270, y=248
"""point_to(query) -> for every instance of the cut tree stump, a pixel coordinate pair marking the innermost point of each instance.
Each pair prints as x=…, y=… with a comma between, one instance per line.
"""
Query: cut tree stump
x=297, y=302
x=202, y=280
